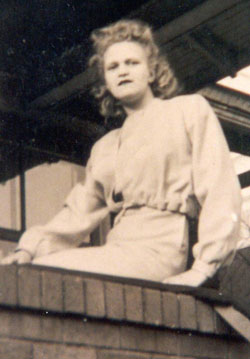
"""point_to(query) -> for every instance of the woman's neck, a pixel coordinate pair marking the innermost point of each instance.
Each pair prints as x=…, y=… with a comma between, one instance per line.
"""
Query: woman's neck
x=139, y=105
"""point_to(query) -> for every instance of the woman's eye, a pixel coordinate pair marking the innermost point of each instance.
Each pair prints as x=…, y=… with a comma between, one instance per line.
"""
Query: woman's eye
x=133, y=62
x=111, y=67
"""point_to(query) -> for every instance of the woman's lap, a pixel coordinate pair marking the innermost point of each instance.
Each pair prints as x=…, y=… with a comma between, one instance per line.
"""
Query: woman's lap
x=124, y=261
x=147, y=245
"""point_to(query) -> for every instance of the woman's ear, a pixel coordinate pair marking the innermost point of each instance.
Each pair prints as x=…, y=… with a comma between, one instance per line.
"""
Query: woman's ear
x=151, y=76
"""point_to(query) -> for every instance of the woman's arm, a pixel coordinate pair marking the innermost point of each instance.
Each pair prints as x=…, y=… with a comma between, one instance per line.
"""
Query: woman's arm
x=84, y=209
x=217, y=189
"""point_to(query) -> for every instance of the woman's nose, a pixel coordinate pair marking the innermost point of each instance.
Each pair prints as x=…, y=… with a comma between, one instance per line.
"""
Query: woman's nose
x=123, y=70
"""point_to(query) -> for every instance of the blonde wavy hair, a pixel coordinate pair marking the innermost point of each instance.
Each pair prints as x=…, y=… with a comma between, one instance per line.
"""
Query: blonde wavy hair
x=164, y=84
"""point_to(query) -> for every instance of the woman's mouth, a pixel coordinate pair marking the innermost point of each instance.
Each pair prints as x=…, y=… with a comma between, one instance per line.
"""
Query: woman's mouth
x=124, y=82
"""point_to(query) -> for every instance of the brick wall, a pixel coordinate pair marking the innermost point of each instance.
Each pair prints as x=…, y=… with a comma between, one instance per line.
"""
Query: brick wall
x=55, y=314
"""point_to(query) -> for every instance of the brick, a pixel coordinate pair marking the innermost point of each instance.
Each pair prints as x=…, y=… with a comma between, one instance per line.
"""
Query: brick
x=29, y=287
x=8, y=284
x=138, y=338
x=5, y=316
x=82, y=331
x=205, y=317
x=74, y=330
x=152, y=306
x=52, y=293
x=114, y=354
x=25, y=325
x=133, y=303
x=170, y=306
x=48, y=351
x=95, y=299
x=188, y=319
x=160, y=356
x=74, y=296
x=10, y=349
x=167, y=342
x=239, y=349
x=202, y=346
x=115, y=305
x=51, y=328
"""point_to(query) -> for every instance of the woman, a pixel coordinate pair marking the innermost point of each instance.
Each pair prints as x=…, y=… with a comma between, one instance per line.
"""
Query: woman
x=168, y=159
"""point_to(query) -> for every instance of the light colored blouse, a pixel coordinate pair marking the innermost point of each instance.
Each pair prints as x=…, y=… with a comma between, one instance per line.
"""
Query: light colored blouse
x=171, y=156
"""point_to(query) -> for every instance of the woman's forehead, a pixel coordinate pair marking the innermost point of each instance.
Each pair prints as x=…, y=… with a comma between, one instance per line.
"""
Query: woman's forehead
x=124, y=49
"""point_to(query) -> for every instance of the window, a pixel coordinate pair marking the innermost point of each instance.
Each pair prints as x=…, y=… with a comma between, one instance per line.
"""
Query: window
x=35, y=196
x=10, y=204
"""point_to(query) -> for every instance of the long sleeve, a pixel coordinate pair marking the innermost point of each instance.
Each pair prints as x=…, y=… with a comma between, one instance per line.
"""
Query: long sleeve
x=84, y=209
x=217, y=189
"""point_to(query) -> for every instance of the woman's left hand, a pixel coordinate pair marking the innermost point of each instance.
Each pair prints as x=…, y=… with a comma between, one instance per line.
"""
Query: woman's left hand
x=191, y=278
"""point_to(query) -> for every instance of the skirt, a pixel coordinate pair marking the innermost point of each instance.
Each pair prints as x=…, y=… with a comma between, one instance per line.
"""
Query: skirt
x=145, y=243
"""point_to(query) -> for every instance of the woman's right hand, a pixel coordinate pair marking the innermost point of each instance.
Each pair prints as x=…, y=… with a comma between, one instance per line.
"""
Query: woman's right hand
x=20, y=257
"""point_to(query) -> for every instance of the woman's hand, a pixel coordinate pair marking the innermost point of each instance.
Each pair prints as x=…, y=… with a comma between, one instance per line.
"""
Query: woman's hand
x=191, y=278
x=20, y=257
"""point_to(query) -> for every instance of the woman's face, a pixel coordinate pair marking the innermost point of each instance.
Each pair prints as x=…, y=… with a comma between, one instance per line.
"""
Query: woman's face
x=126, y=72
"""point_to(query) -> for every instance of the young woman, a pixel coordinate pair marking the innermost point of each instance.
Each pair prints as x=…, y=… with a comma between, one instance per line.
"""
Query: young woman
x=168, y=161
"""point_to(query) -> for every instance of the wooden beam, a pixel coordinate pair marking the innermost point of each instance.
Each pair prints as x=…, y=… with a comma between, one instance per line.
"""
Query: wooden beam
x=183, y=24
x=233, y=109
x=193, y=18
x=236, y=319
x=79, y=83
x=228, y=97
x=236, y=119
x=213, y=53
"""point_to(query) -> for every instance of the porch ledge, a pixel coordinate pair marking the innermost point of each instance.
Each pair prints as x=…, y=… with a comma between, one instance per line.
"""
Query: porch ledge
x=53, y=313
x=111, y=298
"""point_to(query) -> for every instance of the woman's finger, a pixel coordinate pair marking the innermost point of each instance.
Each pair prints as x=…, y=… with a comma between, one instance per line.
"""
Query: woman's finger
x=9, y=259
x=21, y=257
